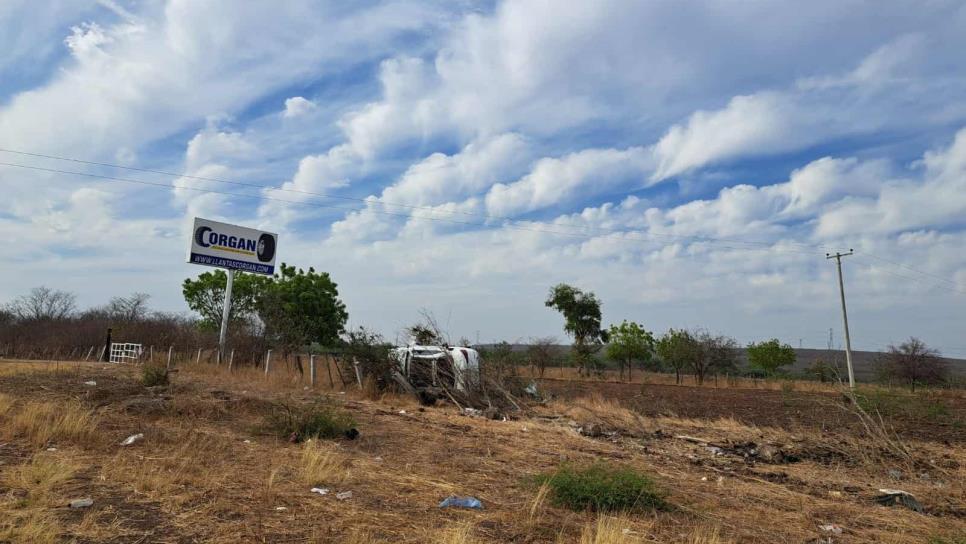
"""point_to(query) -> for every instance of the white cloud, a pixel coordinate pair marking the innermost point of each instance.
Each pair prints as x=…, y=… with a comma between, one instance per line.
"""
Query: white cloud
x=297, y=106
x=585, y=173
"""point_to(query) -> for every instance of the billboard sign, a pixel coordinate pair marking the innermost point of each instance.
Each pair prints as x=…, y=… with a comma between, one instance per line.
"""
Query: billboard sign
x=230, y=246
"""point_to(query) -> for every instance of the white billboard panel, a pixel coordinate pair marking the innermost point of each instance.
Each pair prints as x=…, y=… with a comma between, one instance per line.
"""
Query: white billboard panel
x=233, y=247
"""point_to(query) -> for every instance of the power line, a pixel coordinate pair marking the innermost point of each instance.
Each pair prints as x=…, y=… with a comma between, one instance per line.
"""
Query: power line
x=366, y=200
x=810, y=249
x=314, y=204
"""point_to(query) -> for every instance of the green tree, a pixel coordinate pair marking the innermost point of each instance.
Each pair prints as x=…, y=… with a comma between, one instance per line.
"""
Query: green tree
x=629, y=342
x=770, y=356
x=301, y=308
x=679, y=349
x=582, y=318
x=206, y=295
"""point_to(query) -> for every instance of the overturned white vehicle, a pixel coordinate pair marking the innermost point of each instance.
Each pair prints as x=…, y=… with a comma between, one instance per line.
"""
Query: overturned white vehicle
x=427, y=368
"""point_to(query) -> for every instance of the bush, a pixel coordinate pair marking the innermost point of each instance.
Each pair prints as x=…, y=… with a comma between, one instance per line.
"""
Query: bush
x=603, y=488
x=154, y=375
x=298, y=422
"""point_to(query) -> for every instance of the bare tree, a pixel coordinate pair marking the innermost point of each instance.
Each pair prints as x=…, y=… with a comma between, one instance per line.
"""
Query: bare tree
x=133, y=307
x=718, y=354
x=43, y=304
x=913, y=362
x=541, y=352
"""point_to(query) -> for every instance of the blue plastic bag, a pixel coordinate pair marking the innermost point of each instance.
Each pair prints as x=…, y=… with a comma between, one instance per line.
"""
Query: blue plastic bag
x=461, y=502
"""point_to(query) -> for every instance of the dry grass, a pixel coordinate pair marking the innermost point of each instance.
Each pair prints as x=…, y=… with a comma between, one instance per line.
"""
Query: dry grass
x=40, y=476
x=195, y=478
x=705, y=535
x=25, y=514
x=609, y=530
x=320, y=465
x=44, y=423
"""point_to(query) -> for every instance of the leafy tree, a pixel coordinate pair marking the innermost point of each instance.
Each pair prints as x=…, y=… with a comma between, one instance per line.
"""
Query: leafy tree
x=43, y=304
x=679, y=349
x=206, y=295
x=300, y=308
x=915, y=363
x=770, y=356
x=822, y=371
x=541, y=353
x=582, y=317
x=718, y=354
x=629, y=342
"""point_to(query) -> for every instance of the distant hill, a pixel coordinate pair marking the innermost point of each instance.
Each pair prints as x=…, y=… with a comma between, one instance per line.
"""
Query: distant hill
x=863, y=362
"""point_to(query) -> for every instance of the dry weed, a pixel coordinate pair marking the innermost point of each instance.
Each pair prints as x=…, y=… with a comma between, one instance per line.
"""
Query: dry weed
x=45, y=422
x=320, y=465
x=705, y=535
x=457, y=534
x=537, y=505
x=30, y=526
x=608, y=530
x=39, y=476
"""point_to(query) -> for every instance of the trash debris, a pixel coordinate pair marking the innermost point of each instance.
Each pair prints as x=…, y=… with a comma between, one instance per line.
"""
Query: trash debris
x=532, y=390
x=344, y=496
x=81, y=503
x=461, y=502
x=51, y=449
x=715, y=450
x=472, y=412
x=834, y=493
x=246, y=441
x=895, y=474
x=831, y=528
x=402, y=412
x=132, y=439
x=91, y=383
x=592, y=430
x=897, y=497
x=280, y=509
x=320, y=490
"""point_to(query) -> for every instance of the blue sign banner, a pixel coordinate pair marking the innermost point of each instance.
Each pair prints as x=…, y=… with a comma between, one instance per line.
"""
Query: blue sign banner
x=231, y=264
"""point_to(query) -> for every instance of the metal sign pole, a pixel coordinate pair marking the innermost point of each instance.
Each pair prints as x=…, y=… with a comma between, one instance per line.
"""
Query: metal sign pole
x=224, y=314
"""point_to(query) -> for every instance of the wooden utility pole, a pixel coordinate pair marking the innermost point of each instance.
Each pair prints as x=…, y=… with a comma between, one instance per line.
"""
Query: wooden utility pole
x=845, y=315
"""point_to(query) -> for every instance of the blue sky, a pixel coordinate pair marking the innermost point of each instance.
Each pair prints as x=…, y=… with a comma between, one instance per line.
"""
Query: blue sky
x=690, y=163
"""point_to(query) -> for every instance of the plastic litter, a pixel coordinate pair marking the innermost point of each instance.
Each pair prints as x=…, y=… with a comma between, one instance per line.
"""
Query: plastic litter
x=320, y=490
x=532, y=389
x=81, y=503
x=51, y=449
x=280, y=509
x=473, y=412
x=402, y=412
x=344, y=496
x=461, y=502
x=831, y=528
x=132, y=439
x=91, y=383
x=898, y=497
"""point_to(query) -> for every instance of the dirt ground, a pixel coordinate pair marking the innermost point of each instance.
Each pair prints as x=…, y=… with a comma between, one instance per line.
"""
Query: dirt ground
x=912, y=416
x=207, y=470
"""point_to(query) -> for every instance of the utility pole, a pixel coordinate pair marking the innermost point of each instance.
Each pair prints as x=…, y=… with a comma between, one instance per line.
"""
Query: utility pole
x=845, y=315
x=225, y=313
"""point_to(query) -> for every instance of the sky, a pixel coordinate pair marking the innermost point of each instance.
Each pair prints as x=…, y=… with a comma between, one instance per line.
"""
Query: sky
x=690, y=163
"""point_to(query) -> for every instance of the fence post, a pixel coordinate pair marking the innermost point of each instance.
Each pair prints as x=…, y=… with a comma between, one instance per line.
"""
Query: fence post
x=89, y=353
x=268, y=361
x=167, y=366
x=231, y=359
x=328, y=368
x=198, y=358
x=312, y=369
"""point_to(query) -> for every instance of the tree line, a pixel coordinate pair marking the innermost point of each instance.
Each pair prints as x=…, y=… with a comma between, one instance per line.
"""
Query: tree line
x=702, y=354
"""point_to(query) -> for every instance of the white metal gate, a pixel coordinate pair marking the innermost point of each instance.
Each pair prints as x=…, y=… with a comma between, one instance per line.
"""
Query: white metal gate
x=125, y=353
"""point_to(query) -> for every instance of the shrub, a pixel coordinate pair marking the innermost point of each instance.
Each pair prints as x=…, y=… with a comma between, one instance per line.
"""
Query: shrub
x=299, y=422
x=603, y=488
x=154, y=375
